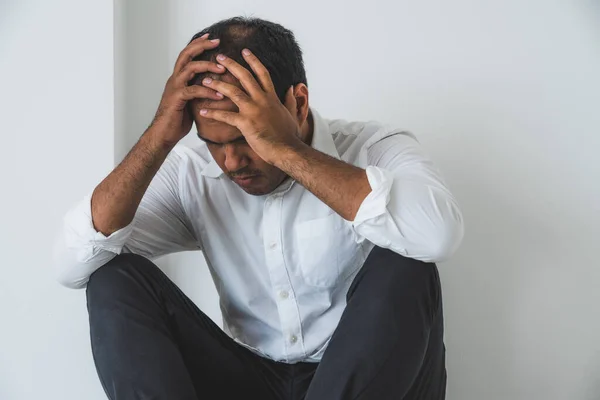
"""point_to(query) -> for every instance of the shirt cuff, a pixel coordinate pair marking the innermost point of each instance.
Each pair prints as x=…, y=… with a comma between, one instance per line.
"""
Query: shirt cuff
x=375, y=204
x=86, y=239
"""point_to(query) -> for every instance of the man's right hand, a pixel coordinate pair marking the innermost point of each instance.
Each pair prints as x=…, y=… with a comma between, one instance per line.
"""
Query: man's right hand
x=172, y=121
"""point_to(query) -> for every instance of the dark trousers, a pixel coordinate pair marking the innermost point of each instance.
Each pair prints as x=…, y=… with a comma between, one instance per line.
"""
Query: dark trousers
x=150, y=341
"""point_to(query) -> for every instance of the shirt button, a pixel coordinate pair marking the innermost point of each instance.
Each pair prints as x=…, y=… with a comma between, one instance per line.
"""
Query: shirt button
x=284, y=294
x=293, y=339
x=273, y=245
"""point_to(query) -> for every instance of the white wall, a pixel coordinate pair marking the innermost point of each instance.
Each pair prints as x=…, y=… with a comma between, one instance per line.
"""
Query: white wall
x=56, y=125
x=504, y=94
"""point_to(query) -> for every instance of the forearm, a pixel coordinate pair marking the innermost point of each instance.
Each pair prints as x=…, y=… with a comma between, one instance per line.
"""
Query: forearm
x=340, y=185
x=116, y=199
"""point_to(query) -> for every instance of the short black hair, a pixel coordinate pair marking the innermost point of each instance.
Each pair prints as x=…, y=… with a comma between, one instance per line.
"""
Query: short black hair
x=274, y=45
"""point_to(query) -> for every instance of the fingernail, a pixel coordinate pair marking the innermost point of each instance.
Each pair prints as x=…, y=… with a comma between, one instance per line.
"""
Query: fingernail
x=220, y=57
x=220, y=66
x=215, y=40
x=203, y=111
x=220, y=95
x=246, y=52
x=204, y=36
x=207, y=81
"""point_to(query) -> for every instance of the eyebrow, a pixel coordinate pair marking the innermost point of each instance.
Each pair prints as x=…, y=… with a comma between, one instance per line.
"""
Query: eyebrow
x=238, y=139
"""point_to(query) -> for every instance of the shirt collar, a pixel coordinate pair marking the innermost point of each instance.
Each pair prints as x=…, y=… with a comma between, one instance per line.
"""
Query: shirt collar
x=321, y=141
x=212, y=169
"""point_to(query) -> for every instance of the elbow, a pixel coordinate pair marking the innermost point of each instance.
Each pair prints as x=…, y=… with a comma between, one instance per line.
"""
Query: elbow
x=69, y=281
x=444, y=241
x=63, y=266
x=67, y=269
x=65, y=274
x=74, y=273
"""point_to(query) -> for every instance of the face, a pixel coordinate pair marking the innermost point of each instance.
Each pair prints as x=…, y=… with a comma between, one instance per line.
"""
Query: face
x=231, y=151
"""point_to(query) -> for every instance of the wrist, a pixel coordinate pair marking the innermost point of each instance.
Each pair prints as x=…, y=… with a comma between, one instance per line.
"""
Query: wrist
x=291, y=153
x=157, y=140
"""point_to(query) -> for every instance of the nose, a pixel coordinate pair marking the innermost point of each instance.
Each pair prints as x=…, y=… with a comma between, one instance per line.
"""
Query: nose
x=234, y=158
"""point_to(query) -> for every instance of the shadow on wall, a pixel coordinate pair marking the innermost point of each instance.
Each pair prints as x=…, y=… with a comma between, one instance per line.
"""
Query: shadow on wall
x=9, y=12
x=593, y=387
x=142, y=66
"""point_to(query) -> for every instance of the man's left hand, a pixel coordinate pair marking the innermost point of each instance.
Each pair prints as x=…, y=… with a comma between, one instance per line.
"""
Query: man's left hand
x=270, y=127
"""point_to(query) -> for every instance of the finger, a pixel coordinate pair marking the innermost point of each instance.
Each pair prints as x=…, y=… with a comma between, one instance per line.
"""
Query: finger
x=260, y=70
x=290, y=102
x=195, y=48
x=228, y=117
x=196, y=67
x=199, y=92
x=237, y=95
x=242, y=74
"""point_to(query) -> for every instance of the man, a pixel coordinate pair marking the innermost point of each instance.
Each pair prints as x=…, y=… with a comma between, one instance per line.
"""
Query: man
x=319, y=235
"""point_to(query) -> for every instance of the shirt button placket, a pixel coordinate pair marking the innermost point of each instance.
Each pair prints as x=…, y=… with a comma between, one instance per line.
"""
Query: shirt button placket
x=280, y=280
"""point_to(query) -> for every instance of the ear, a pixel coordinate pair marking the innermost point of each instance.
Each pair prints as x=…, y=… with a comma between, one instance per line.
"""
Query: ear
x=296, y=101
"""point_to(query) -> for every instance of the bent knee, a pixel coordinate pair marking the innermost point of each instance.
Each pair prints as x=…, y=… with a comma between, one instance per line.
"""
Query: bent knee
x=395, y=274
x=117, y=271
x=395, y=266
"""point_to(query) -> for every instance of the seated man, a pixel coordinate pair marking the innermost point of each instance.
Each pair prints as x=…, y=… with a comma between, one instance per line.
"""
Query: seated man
x=320, y=236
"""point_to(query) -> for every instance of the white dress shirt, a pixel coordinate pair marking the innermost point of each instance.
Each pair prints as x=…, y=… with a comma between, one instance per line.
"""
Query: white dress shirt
x=283, y=262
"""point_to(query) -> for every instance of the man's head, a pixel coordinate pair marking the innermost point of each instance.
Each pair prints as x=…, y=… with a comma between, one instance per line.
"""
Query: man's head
x=279, y=52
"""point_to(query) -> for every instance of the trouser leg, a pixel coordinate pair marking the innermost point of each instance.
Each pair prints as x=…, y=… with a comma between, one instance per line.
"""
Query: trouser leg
x=389, y=342
x=150, y=341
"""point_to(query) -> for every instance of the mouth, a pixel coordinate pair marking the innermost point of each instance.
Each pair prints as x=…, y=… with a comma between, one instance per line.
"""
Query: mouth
x=246, y=180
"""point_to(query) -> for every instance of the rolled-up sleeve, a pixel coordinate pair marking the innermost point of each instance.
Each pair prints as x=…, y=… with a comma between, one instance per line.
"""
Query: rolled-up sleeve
x=409, y=209
x=159, y=227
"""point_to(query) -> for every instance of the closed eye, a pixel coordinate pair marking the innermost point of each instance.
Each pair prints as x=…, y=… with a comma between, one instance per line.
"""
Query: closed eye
x=239, y=140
